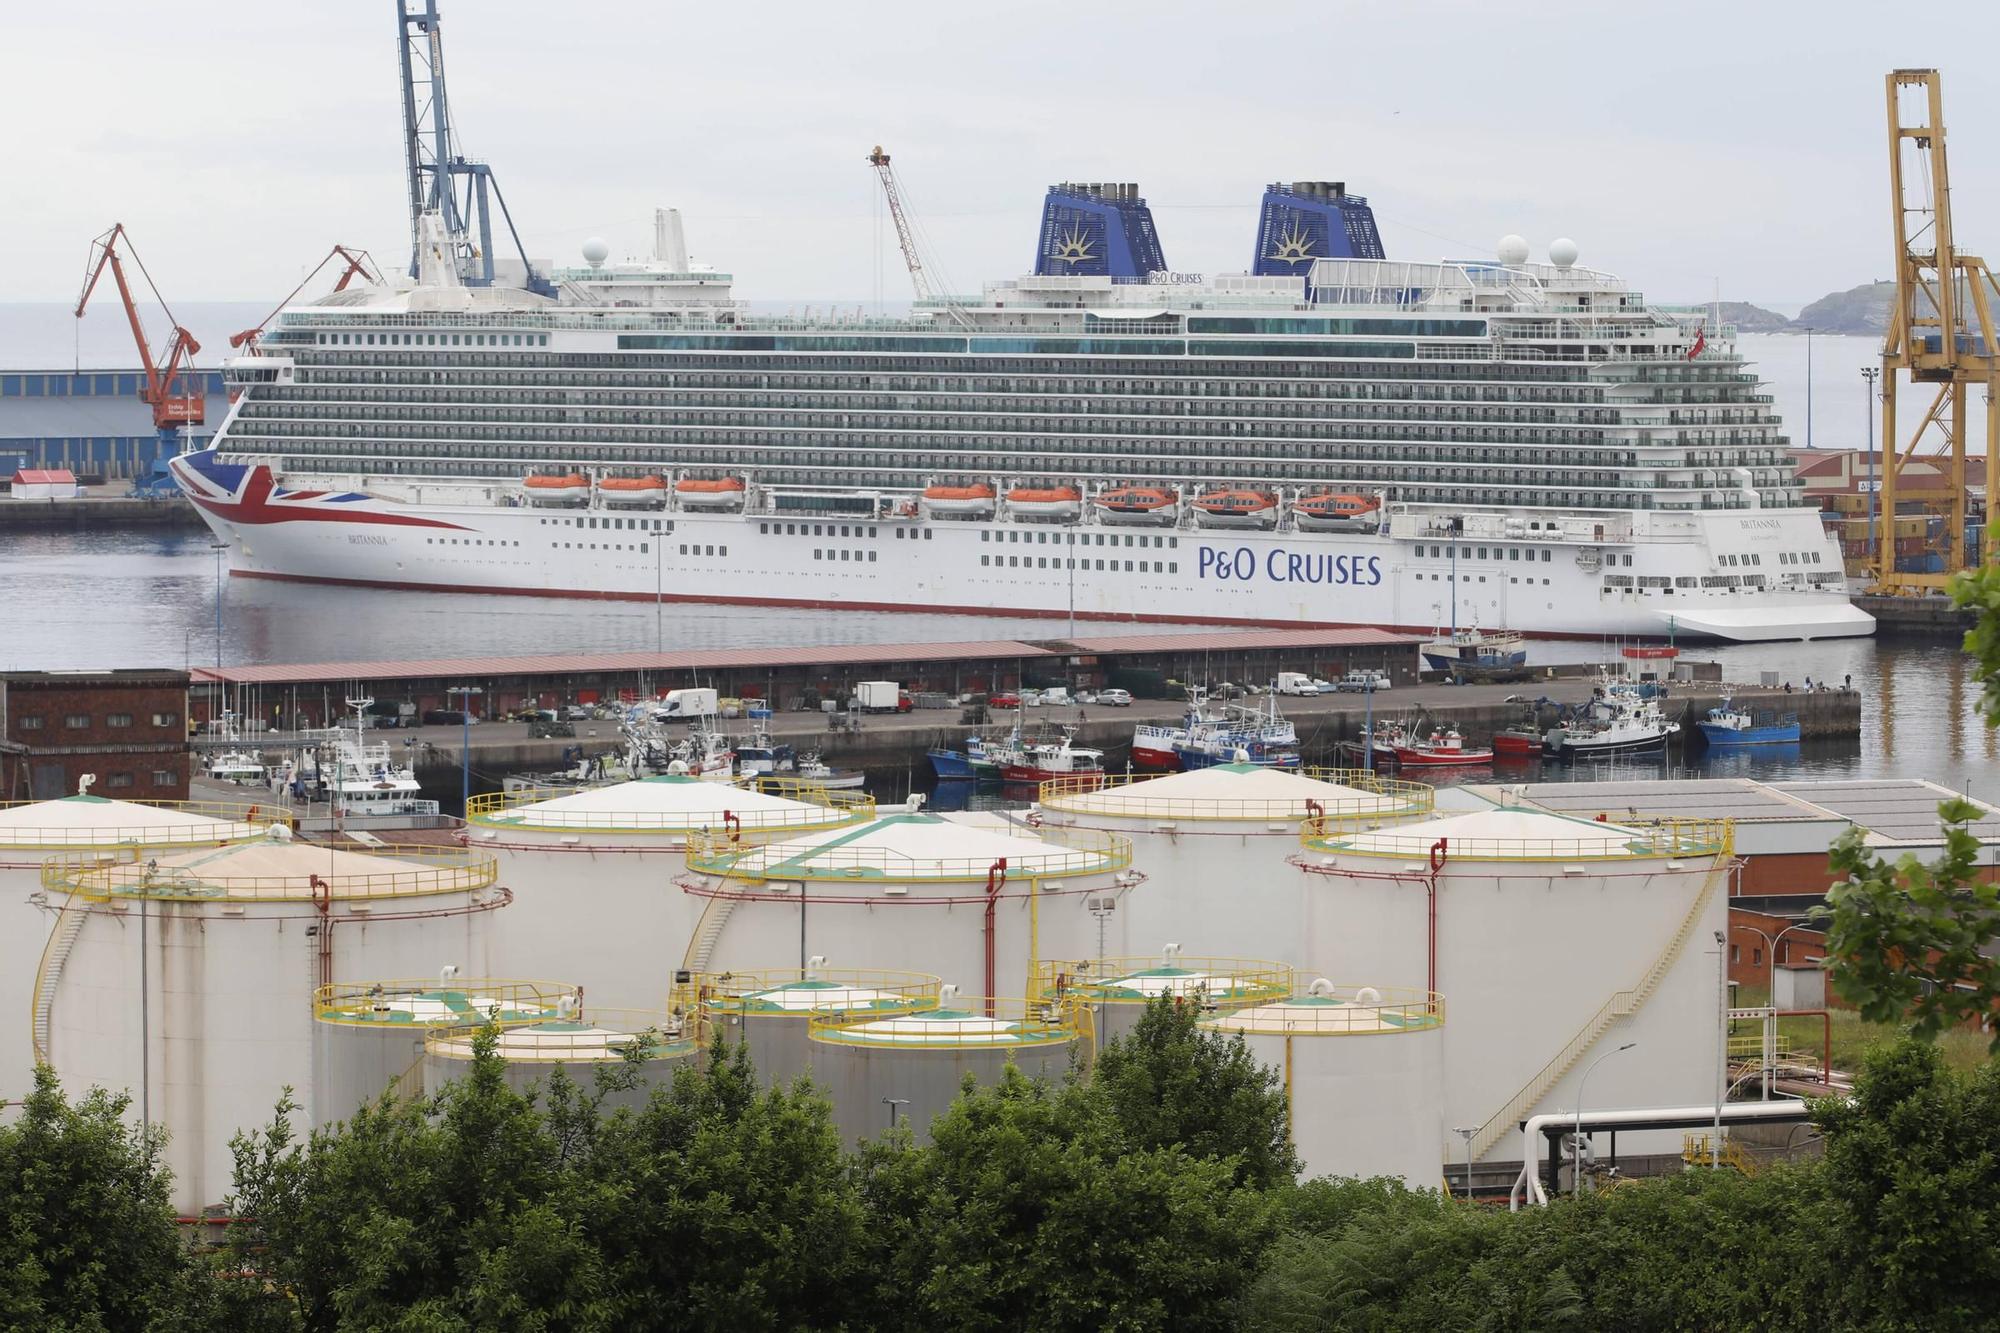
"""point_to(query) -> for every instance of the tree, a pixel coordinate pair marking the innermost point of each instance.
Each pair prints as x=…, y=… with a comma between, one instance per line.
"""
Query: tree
x=1913, y=939
x=1170, y=1082
x=1979, y=590
x=87, y=1234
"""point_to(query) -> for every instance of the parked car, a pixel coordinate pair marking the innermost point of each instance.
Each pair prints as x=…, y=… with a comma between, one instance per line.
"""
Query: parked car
x=1115, y=698
x=1031, y=698
x=1003, y=701
x=1324, y=686
x=1356, y=682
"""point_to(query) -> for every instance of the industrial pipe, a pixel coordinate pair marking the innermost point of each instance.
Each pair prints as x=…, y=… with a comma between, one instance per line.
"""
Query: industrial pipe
x=1440, y=851
x=1662, y=1117
x=1826, y=1038
x=996, y=878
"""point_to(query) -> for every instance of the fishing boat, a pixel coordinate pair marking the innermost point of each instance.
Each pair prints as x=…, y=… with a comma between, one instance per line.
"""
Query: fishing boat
x=1377, y=748
x=758, y=756
x=1040, y=760
x=1521, y=739
x=580, y=771
x=1729, y=726
x=357, y=777
x=1242, y=735
x=1329, y=511
x=817, y=771
x=1616, y=723
x=1446, y=749
x=1236, y=508
x=973, y=762
x=1475, y=651
x=651, y=752
x=1137, y=504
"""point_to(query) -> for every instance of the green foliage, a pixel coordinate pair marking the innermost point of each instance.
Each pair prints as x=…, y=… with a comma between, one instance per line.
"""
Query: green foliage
x=1170, y=1083
x=1979, y=589
x=87, y=1235
x=1910, y=939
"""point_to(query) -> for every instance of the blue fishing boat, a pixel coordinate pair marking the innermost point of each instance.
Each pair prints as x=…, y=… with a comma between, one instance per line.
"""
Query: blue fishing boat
x=1728, y=725
x=973, y=762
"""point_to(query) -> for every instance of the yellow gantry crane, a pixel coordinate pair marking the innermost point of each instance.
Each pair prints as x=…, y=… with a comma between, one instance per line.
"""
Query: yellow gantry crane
x=1940, y=325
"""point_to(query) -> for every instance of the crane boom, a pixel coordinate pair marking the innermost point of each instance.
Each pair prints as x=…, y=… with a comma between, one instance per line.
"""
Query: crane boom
x=358, y=264
x=904, y=237
x=175, y=404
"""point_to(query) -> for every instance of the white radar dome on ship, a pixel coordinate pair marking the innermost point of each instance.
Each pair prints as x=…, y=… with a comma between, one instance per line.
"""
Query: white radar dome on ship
x=595, y=251
x=1513, y=249
x=1562, y=252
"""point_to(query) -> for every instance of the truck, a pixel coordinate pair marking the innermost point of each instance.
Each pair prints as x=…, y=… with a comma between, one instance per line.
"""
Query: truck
x=685, y=704
x=1296, y=682
x=879, y=696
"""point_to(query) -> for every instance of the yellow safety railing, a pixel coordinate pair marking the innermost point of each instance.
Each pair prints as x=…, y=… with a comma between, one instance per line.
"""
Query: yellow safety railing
x=960, y=1023
x=407, y=872
x=829, y=809
x=592, y=1035
x=459, y=1002
x=1590, y=842
x=236, y=821
x=1069, y=851
x=875, y=990
x=1221, y=982
x=1377, y=798
x=1341, y=1011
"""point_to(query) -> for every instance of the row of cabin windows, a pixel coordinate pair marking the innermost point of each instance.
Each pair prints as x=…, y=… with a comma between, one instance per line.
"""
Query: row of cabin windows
x=432, y=339
x=1498, y=553
x=1080, y=539
x=842, y=553
x=616, y=524
x=81, y=721
x=1103, y=566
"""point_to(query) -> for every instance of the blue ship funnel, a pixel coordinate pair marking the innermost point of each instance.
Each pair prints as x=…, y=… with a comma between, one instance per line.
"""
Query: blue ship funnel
x=1310, y=220
x=1098, y=230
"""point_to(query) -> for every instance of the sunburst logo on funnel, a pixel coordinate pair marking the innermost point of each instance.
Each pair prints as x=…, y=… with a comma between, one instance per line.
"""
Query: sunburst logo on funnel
x=1294, y=246
x=1074, y=248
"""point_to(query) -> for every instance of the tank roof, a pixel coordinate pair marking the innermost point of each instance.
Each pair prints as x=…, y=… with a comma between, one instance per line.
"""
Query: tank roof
x=1245, y=791
x=1180, y=982
x=960, y=1023
x=276, y=868
x=673, y=803
x=596, y=1037
x=1515, y=833
x=95, y=821
x=915, y=847
x=1332, y=1011
x=379, y=1004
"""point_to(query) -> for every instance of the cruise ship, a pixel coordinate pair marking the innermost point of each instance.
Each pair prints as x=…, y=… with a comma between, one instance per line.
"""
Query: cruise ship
x=1329, y=437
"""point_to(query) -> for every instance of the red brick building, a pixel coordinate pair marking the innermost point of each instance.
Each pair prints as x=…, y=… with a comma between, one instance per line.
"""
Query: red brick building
x=128, y=728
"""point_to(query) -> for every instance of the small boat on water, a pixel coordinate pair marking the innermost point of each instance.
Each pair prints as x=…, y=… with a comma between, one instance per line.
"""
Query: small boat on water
x=758, y=756
x=1378, y=750
x=710, y=492
x=1617, y=723
x=1058, y=502
x=975, y=500
x=1236, y=508
x=1729, y=726
x=817, y=771
x=1206, y=736
x=1041, y=760
x=971, y=763
x=570, y=488
x=594, y=771
x=1327, y=511
x=1138, y=504
x=1520, y=741
x=1446, y=749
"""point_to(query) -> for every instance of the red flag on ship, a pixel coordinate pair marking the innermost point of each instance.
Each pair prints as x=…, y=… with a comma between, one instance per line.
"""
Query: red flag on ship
x=1700, y=341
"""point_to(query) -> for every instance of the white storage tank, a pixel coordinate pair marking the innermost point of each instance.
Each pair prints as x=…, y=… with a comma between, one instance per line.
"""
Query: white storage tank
x=1116, y=991
x=1215, y=844
x=369, y=1033
x=910, y=1067
x=769, y=1011
x=1363, y=1071
x=593, y=871
x=652, y=1043
x=189, y=975
x=958, y=895
x=1557, y=939
x=32, y=831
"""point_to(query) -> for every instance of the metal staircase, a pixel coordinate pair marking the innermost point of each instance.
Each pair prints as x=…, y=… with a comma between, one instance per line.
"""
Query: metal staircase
x=48, y=976
x=1622, y=1004
x=707, y=931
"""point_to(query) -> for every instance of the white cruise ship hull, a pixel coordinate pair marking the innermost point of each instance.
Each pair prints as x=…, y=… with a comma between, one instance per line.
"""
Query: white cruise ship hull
x=465, y=538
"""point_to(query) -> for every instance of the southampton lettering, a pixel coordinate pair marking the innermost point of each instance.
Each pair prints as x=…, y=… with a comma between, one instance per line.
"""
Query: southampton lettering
x=1240, y=565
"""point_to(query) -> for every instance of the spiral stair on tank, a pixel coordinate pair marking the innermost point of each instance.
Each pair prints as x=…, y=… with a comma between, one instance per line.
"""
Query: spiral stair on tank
x=1622, y=1004
x=48, y=975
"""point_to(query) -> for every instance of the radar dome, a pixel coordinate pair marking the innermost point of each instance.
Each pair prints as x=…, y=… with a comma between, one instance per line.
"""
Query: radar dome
x=1562, y=252
x=595, y=251
x=1513, y=250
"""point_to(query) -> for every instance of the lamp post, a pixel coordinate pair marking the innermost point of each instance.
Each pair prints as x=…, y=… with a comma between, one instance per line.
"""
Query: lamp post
x=1869, y=373
x=1721, y=1045
x=892, y=1103
x=1368, y=746
x=1467, y=1135
x=659, y=602
x=1576, y=1172
x=464, y=694
x=218, y=548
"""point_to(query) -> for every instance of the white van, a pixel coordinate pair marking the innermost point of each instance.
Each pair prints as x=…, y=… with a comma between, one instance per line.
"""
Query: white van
x=1296, y=682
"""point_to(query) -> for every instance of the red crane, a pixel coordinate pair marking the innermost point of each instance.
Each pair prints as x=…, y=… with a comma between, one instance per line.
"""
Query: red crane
x=176, y=393
x=359, y=264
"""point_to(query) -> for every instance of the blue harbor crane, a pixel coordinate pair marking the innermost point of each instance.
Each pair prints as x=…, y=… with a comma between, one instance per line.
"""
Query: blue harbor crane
x=441, y=179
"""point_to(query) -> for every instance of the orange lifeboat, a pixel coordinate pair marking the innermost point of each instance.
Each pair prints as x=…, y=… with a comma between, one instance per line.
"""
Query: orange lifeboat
x=1045, y=501
x=1138, y=504
x=974, y=499
x=1237, y=508
x=633, y=492
x=570, y=488
x=710, y=492
x=1329, y=511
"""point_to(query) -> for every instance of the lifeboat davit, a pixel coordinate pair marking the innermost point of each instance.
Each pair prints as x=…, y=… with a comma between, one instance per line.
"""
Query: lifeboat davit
x=1326, y=511
x=710, y=492
x=633, y=492
x=976, y=499
x=1237, y=509
x=1045, y=501
x=1137, y=504
x=571, y=488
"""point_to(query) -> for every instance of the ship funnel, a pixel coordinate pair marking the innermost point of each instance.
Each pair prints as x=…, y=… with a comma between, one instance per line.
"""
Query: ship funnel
x=1099, y=230
x=1309, y=220
x=669, y=241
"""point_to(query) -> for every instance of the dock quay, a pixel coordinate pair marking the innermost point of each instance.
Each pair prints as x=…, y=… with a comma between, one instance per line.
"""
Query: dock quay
x=1916, y=617
x=98, y=511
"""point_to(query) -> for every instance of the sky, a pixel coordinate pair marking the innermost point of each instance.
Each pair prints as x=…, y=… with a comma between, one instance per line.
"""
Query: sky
x=1681, y=145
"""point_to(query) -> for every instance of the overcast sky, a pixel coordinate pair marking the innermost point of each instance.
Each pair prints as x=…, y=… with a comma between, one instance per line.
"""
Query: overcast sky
x=1677, y=143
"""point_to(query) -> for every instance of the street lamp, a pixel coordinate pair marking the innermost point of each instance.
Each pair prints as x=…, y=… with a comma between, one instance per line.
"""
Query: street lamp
x=1576, y=1172
x=1467, y=1135
x=1368, y=760
x=1870, y=373
x=218, y=548
x=892, y=1103
x=464, y=694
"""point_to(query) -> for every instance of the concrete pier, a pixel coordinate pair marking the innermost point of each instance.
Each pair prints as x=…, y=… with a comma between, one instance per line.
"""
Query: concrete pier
x=1916, y=617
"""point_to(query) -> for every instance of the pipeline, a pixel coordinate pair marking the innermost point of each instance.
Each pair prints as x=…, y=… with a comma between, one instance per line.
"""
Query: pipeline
x=1826, y=1039
x=1440, y=850
x=996, y=877
x=323, y=905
